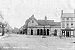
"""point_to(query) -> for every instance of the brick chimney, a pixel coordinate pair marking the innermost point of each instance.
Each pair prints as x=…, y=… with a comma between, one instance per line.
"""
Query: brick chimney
x=45, y=18
x=61, y=12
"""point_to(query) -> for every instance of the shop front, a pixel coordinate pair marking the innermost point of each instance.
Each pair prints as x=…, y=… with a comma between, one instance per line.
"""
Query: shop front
x=67, y=32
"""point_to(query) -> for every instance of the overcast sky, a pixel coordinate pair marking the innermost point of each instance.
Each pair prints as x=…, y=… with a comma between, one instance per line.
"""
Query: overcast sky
x=15, y=12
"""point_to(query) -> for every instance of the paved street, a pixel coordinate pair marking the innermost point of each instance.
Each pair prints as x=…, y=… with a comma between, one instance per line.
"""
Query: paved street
x=27, y=42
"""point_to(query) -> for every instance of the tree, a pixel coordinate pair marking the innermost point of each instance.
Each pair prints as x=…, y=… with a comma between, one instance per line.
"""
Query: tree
x=55, y=32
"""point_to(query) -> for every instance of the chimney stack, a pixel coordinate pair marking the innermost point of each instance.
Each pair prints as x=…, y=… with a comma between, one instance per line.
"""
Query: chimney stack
x=61, y=12
x=45, y=18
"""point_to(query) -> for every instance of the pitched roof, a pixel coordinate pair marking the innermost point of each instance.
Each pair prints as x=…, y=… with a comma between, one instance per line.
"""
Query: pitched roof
x=68, y=15
x=45, y=22
x=28, y=20
x=41, y=22
x=57, y=23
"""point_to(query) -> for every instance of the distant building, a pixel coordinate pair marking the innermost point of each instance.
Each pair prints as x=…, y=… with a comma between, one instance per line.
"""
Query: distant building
x=2, y=25
x=8, y=28
x=67, y=24
x=41, y=27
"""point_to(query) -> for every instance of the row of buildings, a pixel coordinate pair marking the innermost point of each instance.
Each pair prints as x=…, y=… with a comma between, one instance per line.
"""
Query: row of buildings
x=66, y=27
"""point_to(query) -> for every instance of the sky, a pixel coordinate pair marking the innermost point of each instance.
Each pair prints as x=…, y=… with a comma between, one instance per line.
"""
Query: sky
x=15, y=12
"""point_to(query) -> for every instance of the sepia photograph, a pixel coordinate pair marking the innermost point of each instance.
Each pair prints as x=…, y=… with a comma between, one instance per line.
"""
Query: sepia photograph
x=37, y=24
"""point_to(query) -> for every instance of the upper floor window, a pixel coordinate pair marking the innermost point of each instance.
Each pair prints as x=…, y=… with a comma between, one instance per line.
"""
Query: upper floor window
x=71, y=19
x=71, y=23
x=67, y=18
x=67, y=25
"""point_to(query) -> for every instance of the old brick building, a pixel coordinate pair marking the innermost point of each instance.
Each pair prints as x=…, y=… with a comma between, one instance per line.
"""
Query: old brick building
x=41, y=27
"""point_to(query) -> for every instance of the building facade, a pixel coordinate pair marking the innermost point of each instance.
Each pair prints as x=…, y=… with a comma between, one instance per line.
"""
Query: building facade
x=41, y=27
x=67, y=24
x=65, y=28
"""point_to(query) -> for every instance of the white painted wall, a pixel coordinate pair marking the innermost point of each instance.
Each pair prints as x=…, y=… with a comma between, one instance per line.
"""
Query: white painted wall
x=70, y=21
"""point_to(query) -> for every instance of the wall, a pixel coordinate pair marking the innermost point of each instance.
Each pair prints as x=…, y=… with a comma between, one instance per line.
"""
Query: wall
x=32, y=24
x=58, y=30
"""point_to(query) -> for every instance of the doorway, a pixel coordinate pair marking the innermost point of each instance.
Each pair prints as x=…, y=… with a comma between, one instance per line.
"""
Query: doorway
x=47, y=31
x=37, y=31
x=41, y=32
x=55, y=32
x=67, y=33
x=31, y=32
x=44, y=33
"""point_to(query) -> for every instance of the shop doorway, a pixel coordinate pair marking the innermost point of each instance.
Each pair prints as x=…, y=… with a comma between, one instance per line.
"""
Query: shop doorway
x=67, y=33
x=63, y=33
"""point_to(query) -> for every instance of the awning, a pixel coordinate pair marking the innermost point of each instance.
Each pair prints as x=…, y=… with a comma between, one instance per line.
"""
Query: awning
x=68, y=29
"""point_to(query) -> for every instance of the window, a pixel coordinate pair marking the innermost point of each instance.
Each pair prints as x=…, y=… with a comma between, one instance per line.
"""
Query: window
x=67, y=18
x=71, y=19
x=63, y=25
x=32, y=21
x=67, y=25
x=71, y=23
